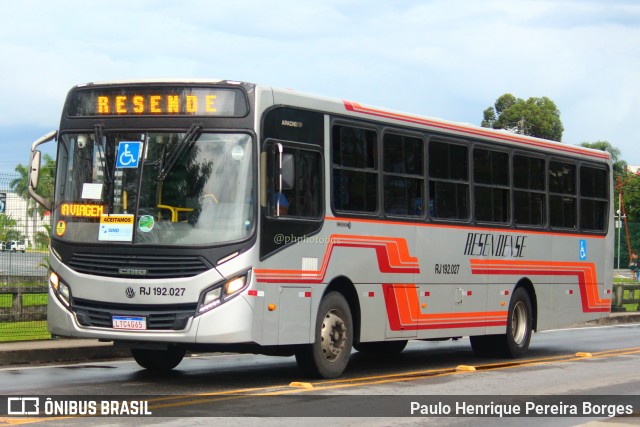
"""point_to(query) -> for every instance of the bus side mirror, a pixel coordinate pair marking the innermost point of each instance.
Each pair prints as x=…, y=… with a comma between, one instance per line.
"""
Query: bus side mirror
x=34, y=170
x=34, y=173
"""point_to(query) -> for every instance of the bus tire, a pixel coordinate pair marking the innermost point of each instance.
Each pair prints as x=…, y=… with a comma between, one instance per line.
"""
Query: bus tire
x=381, y=347
x=515, y=342
x=158, y=360
x=329, y=354
x=519, y=325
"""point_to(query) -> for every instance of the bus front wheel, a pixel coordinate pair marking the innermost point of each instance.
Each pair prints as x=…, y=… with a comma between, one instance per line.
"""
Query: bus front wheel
x=329, y=354
x=158, y=360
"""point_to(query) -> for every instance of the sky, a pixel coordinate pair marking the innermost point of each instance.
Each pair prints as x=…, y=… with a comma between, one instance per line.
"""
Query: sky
x=449, y=59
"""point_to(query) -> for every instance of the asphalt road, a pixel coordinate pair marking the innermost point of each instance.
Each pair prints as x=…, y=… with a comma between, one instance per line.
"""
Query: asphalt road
x=235, y=385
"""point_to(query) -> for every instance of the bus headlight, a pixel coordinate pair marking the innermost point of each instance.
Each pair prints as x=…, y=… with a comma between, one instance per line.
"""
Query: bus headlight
x=219, y=293
x=234, y=285
x=211, y=299
x=61, y=290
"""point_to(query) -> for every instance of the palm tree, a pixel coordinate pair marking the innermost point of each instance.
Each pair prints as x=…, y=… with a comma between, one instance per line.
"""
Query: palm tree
x=8, y=229
x=20, y=186
x=619, y=166
x=42, y=240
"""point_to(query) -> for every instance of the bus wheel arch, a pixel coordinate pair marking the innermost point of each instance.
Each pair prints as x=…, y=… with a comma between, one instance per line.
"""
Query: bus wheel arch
x=334, y=331
x=521, y=322
x=528, y=286
x=346, y=287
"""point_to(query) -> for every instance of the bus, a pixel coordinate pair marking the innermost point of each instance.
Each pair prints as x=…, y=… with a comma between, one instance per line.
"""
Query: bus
x=202, y=215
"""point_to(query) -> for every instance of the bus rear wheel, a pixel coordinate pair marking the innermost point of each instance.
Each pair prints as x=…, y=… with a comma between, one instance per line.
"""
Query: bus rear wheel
x=329, y=354
x=158, y=360
x=515, y=342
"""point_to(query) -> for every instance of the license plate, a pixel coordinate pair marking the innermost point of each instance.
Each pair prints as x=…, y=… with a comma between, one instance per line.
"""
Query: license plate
x=129, y=322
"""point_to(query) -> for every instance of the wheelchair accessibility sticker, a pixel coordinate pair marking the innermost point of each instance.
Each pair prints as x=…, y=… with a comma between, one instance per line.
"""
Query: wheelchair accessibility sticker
x=583, y=250
x=128, y=155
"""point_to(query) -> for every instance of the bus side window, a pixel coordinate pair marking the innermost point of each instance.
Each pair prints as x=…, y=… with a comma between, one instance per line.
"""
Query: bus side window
x=300, y=194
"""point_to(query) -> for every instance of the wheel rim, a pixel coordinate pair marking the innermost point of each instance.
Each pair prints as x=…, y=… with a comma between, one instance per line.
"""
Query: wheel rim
x=519, y=322
x=333, y=334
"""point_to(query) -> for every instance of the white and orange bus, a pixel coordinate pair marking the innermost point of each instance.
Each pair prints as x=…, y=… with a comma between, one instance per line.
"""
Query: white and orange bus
x=221, y=215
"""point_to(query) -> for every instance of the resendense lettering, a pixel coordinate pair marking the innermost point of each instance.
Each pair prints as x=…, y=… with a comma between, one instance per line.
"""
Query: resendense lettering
x=500, y=245
x=156, y=104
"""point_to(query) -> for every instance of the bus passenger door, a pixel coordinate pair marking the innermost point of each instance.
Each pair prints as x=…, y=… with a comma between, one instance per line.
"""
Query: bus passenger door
x=402, y=310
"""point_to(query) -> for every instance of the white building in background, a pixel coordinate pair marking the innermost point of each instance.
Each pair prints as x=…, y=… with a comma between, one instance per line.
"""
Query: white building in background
x=633, y=169
x=16, y=208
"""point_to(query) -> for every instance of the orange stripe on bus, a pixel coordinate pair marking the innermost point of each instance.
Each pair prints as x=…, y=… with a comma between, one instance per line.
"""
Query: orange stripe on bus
x=392, y=253
x=404, y=312
x=585, y=272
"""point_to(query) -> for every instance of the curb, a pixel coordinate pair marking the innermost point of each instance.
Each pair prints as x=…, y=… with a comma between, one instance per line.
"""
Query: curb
x=49, y=352
x=618, y=319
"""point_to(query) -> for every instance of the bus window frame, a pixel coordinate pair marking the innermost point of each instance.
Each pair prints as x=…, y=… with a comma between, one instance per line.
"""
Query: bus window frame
x=607, y=199
x=509, y=187
x=423, y=176
x=576, y=195
x=360, y=125
x=545, y=191
x=265, y=179
x=431, y=138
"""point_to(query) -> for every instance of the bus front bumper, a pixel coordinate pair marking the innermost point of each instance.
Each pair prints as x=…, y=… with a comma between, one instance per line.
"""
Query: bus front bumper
x=229, y=323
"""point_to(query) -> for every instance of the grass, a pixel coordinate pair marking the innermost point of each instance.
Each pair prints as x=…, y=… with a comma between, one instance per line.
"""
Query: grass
x=24, y=331
x=6, y=300
x=628, y=281
x=28, y=300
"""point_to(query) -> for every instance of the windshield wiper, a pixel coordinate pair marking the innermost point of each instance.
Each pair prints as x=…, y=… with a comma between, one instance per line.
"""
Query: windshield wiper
x=185, y=143
x=99, y=137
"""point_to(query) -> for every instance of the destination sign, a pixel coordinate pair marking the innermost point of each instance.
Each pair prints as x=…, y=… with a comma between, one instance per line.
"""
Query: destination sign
x=81, y=210
x=157, y=101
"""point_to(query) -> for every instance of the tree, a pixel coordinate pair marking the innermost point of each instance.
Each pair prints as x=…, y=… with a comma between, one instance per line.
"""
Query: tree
x=619, y=166
x=8, y=230
x=20, y=186
x=42, y=238
x=537, y=117
x=45, y=184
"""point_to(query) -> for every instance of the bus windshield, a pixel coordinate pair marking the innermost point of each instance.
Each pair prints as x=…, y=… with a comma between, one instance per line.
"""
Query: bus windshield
x=162, y=188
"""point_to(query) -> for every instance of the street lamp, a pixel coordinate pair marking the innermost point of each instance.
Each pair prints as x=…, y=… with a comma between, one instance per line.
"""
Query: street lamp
x=619, y=219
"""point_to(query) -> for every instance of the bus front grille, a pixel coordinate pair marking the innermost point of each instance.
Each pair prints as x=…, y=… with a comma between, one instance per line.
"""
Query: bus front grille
x=158, y=317
x=138, y=266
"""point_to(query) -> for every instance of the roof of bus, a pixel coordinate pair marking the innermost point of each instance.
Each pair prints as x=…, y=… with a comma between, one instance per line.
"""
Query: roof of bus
x=290, y=96
x=157, y=81
x=286, y=96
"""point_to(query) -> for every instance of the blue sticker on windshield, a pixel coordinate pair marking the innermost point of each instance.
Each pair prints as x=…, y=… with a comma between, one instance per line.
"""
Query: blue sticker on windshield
x=128, y=154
